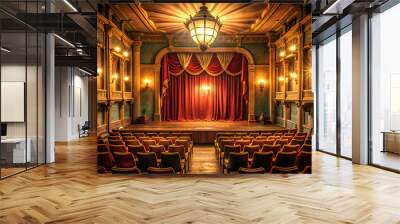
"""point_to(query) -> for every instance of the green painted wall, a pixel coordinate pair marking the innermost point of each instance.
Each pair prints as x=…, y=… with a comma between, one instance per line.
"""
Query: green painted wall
x=259, y=52
x=147, y=102
x=115, y=112
x=128, y=110
x=293, y=112
x=261, y=103
x=148, y=52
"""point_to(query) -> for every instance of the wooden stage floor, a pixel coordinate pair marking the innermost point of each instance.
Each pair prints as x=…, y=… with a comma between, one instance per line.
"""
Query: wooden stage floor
x=193, y=126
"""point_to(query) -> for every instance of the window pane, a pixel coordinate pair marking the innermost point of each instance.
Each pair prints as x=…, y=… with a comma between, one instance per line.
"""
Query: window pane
x=385, y=83
x=14, y=153
x=346, y=94
x=327, y=96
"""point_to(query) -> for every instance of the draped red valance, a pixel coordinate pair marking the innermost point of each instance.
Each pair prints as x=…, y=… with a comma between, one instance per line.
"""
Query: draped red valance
x=213, y=64
x=184, y=74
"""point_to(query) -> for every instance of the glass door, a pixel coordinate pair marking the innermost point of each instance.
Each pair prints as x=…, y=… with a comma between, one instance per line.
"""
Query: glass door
x=326, y=96
x=385, y=89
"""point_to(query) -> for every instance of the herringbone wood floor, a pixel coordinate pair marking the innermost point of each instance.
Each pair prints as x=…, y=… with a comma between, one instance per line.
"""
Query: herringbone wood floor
x=70, y=191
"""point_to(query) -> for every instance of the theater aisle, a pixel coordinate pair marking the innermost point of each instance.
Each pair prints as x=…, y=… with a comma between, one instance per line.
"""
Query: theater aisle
x=204, y=160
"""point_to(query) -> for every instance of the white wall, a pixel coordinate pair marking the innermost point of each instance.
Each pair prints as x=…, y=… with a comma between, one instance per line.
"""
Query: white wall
x=34, y=125
x=16, y=73
x=71, y=102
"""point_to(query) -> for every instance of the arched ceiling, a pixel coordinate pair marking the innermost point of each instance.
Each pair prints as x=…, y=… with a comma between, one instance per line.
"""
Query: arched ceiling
x=237, y=18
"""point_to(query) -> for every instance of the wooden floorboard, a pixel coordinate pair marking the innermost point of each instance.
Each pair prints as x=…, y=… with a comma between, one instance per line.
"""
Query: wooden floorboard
x=70, y=191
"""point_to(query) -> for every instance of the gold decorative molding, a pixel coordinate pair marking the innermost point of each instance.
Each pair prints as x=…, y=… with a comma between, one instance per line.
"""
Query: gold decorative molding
x=167, y=50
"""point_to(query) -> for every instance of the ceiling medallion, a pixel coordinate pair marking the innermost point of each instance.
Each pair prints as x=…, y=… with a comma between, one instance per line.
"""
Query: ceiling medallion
x=203, y=27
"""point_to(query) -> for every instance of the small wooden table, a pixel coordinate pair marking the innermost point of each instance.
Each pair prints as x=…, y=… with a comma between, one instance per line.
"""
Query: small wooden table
x=391, y=141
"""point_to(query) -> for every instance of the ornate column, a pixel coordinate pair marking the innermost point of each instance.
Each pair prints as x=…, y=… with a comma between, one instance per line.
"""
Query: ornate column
x=300, y=88
x=157, y=100
x=252, y=83
x=285, y=114
x=272, y=88
x=136, y=78
x=299, y=115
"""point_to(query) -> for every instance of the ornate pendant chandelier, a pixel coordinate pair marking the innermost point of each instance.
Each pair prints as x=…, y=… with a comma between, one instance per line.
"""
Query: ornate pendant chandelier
x=203, y=27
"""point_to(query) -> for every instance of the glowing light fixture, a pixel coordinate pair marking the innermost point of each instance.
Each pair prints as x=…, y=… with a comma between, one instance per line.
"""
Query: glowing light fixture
x=125, y=53
x=292, y=48
x=117, y=49
x=281, y=79
x=146, y=83
x=282, y=54
x=99, y=71
x=205, y=88
x=203, y=27
x=261, y=84
x=126, y=78
x=115, y=76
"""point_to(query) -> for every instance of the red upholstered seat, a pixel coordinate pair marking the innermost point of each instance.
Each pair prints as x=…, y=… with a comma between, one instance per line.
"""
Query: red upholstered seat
x=146, y=160
x=285, y=162
x=165, y=142
x=132, y=142
x=148, y=142
x=124, y=162
x=306, y=148
x=118, y=148
x=116, y=142
x=105, y=160
x=251, y=149
x=135, y=149
x=271, y=148
x=303, y=160
x=296, y=142
x=115, y=137
x=102, y=148
x=157, y=149
x=263, y=159
x=290, y=148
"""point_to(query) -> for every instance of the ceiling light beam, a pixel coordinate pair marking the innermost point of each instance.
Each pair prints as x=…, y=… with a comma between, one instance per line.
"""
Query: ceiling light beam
x=70, y=5
x=65, y=41
x=5, y=50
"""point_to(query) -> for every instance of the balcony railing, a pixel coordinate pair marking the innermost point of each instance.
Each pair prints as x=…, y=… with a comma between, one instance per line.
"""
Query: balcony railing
x=116, y=95
x=128, y=95
x=280, y=95
x=308, y=95
x=101, y=94
x=292, y=95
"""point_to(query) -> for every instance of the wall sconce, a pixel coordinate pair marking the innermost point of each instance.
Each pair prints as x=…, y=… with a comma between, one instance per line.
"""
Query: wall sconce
x=114, y=77
x=117, y=49
x=205, y=88
x=125, y=53
x=146, y=83
x=99, y=71
x=292, y=48
x=282, y=54
x=261, y=84
x=281, y=79
x=126, y=78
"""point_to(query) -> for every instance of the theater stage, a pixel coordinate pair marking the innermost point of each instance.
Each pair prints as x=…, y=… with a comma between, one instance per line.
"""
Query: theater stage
x=203, y=131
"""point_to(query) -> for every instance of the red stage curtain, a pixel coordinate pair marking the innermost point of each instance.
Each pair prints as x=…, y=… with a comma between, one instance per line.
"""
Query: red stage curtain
x=184, y=96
